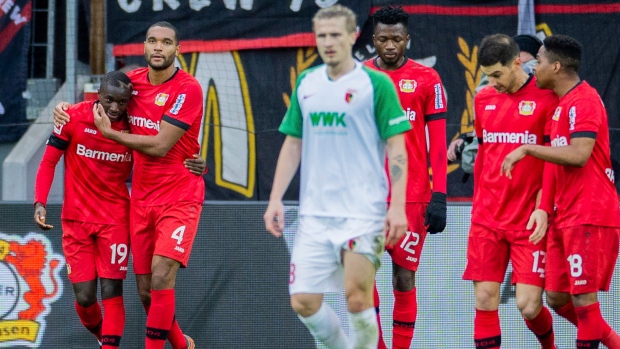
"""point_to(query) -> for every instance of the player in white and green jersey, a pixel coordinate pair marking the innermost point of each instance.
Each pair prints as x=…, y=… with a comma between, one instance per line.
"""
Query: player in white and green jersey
x=341, y=120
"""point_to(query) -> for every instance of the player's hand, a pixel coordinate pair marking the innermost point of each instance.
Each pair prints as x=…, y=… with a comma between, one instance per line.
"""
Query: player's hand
x=274, y=218
x=197, y=165
x=395, y=225
x=102, y=121
x=435, y=221
x=511, y=160
x=538, y=218
x=39, y=216
x=452, y=149
x=60, y=116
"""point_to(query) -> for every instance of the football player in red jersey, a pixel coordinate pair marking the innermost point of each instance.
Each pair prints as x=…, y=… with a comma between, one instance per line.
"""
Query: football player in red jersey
x=510, y=111
x=164, y=117
x=422, y=98
x=95, y=236
x=583, y=246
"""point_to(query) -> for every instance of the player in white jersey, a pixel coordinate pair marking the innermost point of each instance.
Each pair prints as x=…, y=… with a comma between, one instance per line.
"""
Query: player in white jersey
x=347, y=116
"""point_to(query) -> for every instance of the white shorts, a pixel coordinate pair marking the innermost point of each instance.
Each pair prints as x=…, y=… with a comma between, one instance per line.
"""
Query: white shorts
x=316, y=260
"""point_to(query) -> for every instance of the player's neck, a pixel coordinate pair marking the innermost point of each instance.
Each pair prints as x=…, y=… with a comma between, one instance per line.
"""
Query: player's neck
x=522, y=78
x=158, y=77
x=336, y=71
x=390, y=67
x=565, y=84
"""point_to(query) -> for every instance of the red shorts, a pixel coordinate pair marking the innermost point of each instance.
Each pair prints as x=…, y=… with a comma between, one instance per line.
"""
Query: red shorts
x=167, y=230
x=95, y=250
x=489, y=250
x=407, y=252
x=581, y=259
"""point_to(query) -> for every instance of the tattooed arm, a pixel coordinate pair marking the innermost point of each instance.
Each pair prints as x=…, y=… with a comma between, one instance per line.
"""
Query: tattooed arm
x=396, y=219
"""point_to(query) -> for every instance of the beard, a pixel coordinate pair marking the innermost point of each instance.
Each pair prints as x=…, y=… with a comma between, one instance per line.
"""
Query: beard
x=162, y=66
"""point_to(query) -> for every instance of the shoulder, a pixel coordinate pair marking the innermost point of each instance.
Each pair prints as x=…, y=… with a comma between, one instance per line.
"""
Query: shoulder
x=486, y=92
x=137, y=73
x=81, y=111
x=376, y=76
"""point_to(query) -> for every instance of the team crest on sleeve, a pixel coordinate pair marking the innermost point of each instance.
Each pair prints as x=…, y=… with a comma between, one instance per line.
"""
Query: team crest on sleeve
x=572, y=114
x=178, y=104
x=161, y=99
x=527, y=108
x=556, y=114
x=350, y=95
x=407, y=86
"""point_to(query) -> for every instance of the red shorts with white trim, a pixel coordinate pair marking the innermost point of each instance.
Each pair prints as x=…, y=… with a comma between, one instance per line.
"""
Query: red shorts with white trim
x=581, y=259
x=407, y=252
x=95, y=250
x=489, y=250
x=166, y=230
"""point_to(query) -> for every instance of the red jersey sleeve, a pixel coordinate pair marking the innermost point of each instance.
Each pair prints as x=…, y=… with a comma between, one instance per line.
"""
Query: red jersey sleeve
x=45, y=174
x=585, y=116
x=187, y=106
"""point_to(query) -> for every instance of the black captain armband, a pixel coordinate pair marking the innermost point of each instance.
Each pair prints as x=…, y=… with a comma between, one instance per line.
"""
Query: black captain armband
x=57, y=143
x=178, y=123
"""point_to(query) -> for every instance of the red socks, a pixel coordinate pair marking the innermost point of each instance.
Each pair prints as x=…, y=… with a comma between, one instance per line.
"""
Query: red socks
x=160, y=318
x=381, y=344
x=175, y=336
x=568, y=312
x=91, y=318
x=542, y=326
x=589, y=326
x=487, y=333
x=113, y=322
x=405, y=313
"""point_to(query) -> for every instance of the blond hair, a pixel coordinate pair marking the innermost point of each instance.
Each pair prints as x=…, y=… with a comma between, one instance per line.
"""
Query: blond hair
x=335, y=12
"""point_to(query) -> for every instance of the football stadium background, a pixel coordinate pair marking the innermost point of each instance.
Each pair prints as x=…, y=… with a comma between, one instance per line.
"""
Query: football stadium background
x=247, y=55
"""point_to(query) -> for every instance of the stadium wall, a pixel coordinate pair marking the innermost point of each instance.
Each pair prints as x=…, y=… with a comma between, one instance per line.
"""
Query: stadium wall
x=234, y=294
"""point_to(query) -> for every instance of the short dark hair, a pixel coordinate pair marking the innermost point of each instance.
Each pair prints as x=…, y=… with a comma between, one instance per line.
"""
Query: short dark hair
x=497, y=48
x=116, y=79
x=564, y=49
x=391, y=15
x=169, y=26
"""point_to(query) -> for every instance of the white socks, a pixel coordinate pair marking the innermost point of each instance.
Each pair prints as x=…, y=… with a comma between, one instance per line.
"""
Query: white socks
x=364, y=332
x=324, y=325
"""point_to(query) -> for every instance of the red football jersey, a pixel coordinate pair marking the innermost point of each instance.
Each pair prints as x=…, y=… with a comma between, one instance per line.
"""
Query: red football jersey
x=503, y=122
x=584, y=195
x=164, y=180
x=421, y=95
x=96, y=169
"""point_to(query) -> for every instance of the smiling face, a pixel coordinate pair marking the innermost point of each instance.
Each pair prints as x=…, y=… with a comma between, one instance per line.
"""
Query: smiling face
x=114, y=100
x=160, y=48
x=333, y=41
x=391, y=40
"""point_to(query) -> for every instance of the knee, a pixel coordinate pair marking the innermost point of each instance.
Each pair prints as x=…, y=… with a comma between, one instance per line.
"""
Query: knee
x=111, y=288
x=303, y=306
x=403, y=280
x=487, y=298
x=557, y=300
x=85, y=299
x=359, y=300
x=529, y=306
x=164, y=274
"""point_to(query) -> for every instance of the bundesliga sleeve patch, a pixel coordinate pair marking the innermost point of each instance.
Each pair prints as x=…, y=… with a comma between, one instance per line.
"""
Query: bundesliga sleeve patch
x=176, y=108
x=438, y=96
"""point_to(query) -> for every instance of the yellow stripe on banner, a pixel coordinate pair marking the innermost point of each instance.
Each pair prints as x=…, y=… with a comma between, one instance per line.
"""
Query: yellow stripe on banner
x=182, y=62
x=12, y=330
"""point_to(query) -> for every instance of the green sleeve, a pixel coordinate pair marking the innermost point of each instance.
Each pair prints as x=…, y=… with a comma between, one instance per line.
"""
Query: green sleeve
x=389, y=115
x=292, y=125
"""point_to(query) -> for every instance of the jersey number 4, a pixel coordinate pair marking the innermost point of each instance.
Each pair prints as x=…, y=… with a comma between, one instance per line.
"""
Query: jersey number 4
x=178, y=234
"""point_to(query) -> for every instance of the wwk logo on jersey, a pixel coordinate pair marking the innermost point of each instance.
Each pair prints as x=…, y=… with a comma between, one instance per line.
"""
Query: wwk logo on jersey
x=329, y=119
x=407, y=86
x=30, y=279
x=161, y=99
x=527, y=108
